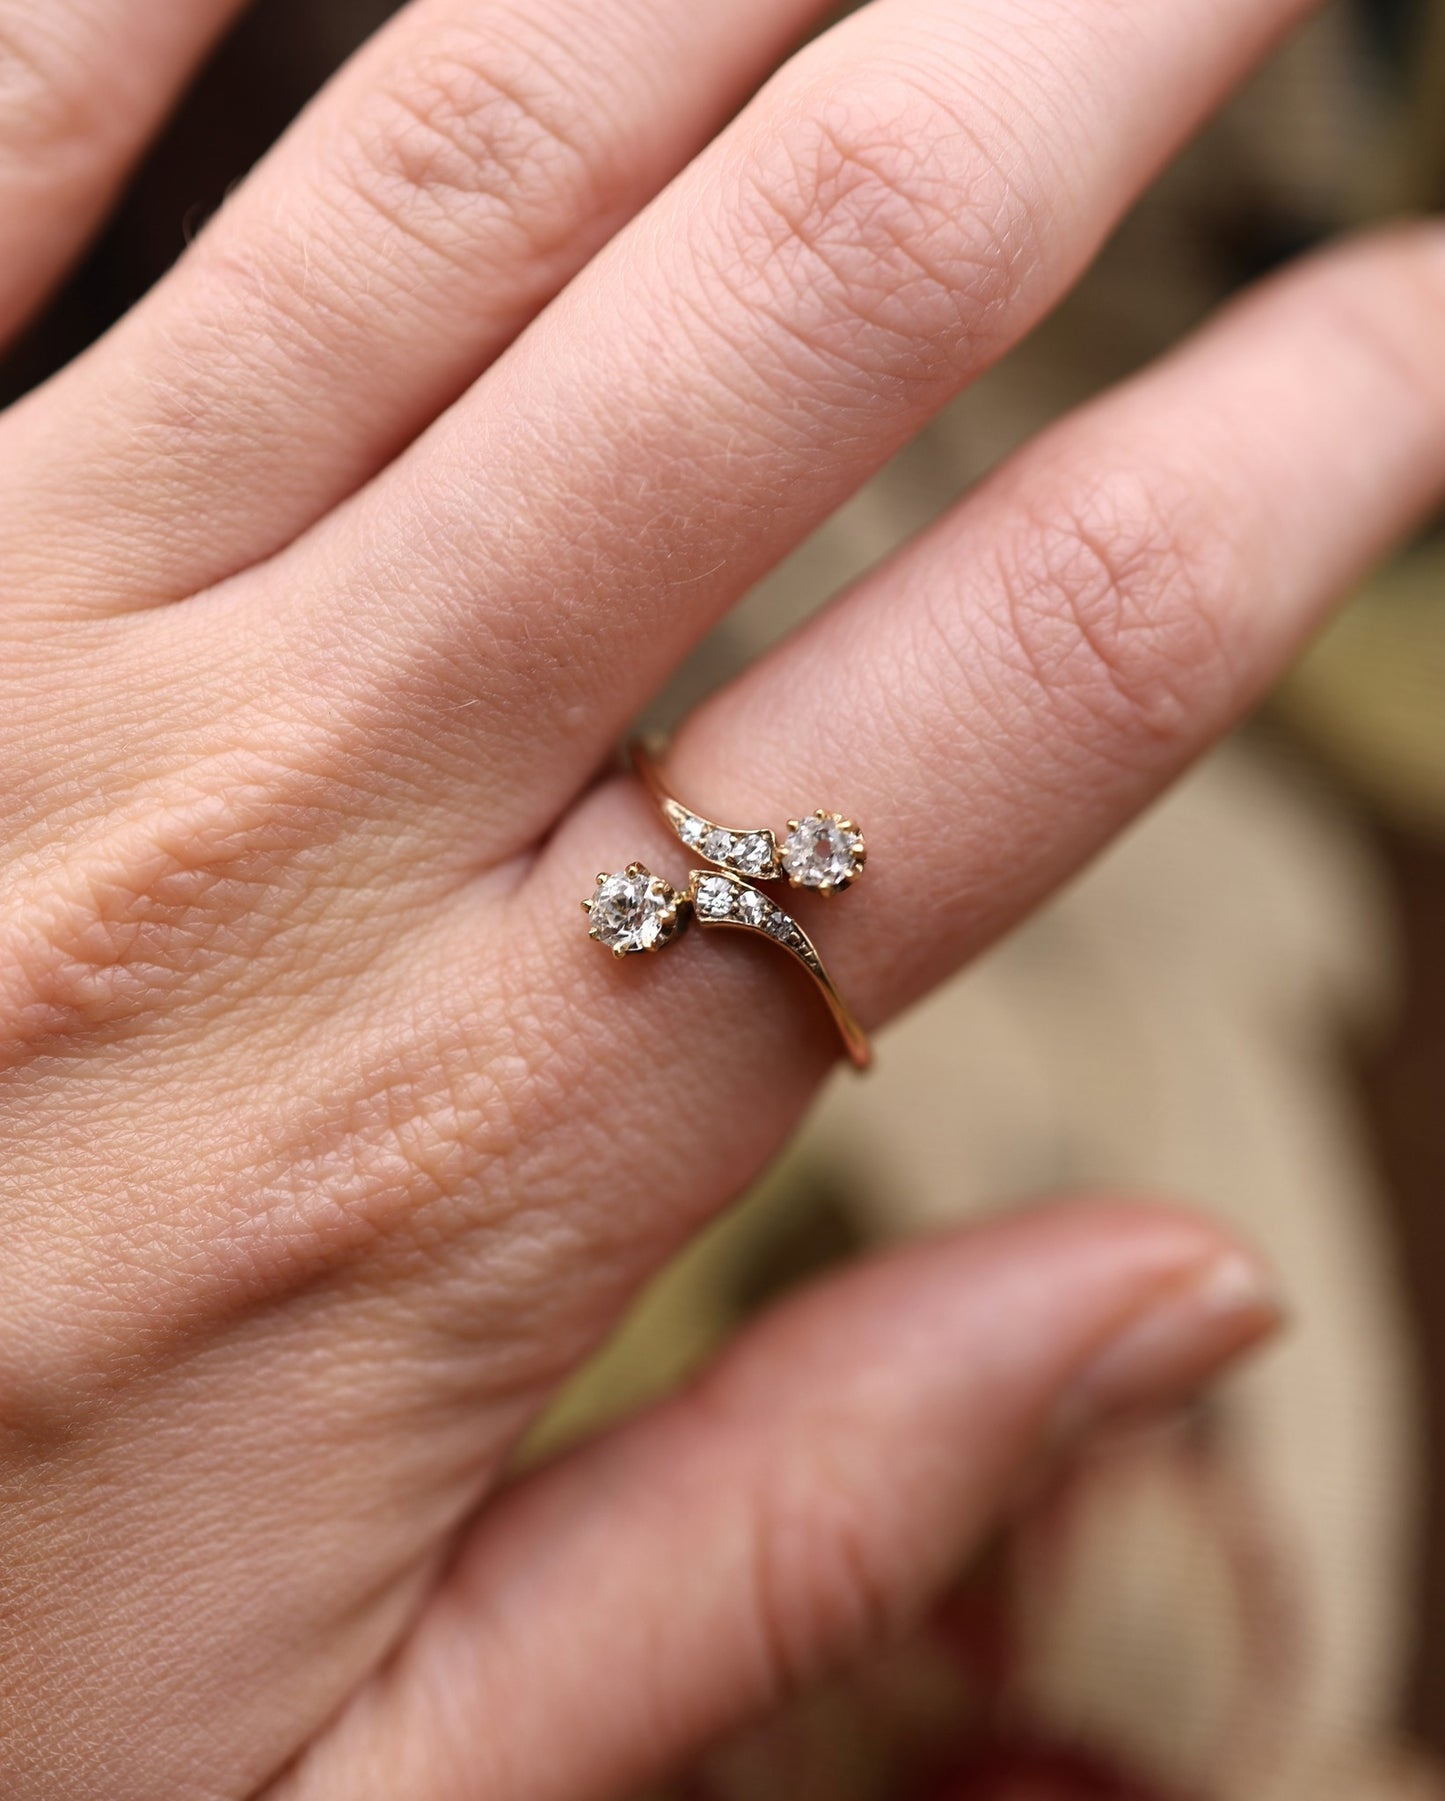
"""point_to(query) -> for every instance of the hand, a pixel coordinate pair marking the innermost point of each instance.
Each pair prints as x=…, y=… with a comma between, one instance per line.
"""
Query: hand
x=328, y=1144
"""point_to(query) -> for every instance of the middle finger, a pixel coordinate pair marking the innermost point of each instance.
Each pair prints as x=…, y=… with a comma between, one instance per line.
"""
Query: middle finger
x=901, y=204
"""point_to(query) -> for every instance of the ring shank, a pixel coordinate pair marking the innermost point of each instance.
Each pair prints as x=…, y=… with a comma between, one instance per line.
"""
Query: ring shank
x=644, y=756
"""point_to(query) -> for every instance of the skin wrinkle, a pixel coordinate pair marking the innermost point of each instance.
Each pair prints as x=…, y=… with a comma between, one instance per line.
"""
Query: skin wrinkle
x=1108, y=600
x=463, y=130
x=849, y=199
x=822, y=1587
x=98, y=939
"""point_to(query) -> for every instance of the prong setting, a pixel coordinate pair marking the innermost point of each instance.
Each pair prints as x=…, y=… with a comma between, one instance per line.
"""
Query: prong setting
x=824, y=852
x=635, y=911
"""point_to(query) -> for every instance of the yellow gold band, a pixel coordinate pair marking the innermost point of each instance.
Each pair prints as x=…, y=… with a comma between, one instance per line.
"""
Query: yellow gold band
x=825, y=853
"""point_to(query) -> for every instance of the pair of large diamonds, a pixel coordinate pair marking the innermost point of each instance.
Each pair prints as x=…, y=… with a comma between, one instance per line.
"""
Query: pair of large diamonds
x=635, y=910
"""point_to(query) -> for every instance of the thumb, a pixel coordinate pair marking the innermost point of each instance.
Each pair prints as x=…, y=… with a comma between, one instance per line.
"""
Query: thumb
x=618, y=1610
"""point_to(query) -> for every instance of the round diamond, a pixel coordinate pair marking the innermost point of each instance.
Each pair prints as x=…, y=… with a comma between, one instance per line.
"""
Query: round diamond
x=692, y=830
x=717, y=845
x=751, y=907
x=820, y=853
x=715, y=897
x=752, y=854
x=632, y=911
x=779, y=925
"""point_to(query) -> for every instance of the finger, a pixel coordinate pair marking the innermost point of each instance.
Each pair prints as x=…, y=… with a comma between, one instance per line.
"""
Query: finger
x=802, y=1500
x=83, y=83
x=894, y=210
x=991, y=707
x=1012, y=688
x=466, y=163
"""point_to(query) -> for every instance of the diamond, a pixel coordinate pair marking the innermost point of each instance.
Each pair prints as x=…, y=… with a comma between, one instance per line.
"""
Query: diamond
x=752, y=908
x=752, y=854
x=717, y=845
x=821, y=852
x=779, y=925
x=633, y=911
x=715, y=897
x=692, y=830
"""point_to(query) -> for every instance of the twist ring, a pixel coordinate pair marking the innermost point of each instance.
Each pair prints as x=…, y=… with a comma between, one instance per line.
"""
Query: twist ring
x=634, y=910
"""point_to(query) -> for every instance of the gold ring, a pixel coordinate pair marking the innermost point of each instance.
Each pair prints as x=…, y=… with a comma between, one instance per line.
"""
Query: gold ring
x=634, y=910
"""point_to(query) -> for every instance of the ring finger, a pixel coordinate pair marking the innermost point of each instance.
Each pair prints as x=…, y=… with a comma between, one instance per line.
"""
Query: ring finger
x=1005, y=695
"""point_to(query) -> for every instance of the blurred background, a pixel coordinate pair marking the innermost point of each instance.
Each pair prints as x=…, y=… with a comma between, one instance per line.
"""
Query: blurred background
x=1244, y=1004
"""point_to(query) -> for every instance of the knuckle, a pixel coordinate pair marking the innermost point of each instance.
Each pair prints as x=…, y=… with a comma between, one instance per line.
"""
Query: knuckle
x=822, y=1590
x=177, y=894
x=877, y=206
x=1110, y=598
x=419, y=1109
x=471, y=125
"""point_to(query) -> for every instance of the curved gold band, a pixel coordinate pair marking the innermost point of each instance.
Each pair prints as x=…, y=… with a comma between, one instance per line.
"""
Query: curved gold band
x=724, y=896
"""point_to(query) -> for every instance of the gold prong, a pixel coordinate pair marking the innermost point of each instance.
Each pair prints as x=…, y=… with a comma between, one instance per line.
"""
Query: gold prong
x=618, y=951
x=636, y=869
x=587, y=906
x=792, y=825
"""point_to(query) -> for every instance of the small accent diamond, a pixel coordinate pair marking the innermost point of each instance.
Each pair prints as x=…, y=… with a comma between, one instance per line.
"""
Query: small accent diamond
x=717, y=845
x=751, y=908
x=715, y=897
x=692, y=830
x=752, y=854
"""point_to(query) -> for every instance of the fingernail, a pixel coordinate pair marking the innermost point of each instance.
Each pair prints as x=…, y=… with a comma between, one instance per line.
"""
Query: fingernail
x=1182, y=1340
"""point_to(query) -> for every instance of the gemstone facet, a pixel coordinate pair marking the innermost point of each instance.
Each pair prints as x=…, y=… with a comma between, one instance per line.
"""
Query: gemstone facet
x=823, y=851
x=753, y=855
x=715, y=897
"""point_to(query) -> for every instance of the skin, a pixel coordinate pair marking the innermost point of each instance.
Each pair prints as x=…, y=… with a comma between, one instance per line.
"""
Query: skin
x=328, y=1143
